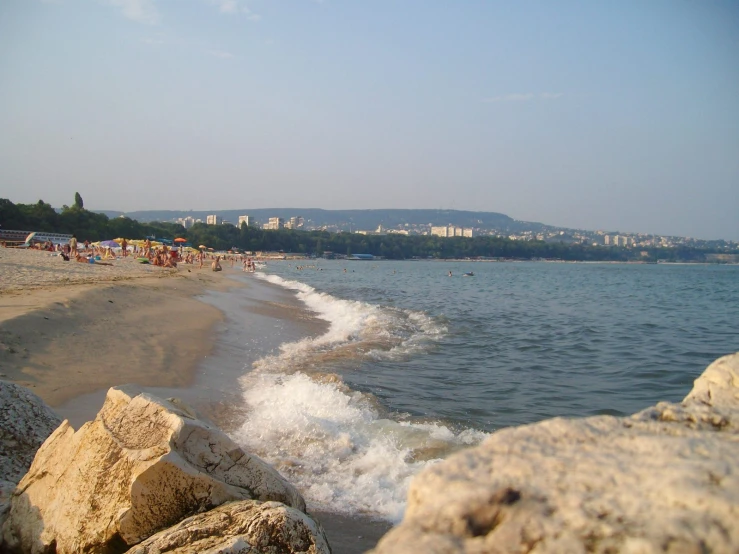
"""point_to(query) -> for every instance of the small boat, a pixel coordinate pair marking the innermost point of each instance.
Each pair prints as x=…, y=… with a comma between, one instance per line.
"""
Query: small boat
x=469, y=274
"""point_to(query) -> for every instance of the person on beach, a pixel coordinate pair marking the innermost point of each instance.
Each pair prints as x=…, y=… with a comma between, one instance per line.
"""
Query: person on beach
x=89, y=260
x=124, y=245
x=73, y=246
x=216, y=265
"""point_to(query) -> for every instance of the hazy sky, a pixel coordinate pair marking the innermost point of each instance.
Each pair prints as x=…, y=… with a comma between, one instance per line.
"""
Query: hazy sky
x=616, y=115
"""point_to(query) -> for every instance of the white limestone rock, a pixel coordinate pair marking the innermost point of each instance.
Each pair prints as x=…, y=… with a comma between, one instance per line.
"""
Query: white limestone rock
x=663, y=480
x=25, y=423
x=142, y=465
x=240, y=527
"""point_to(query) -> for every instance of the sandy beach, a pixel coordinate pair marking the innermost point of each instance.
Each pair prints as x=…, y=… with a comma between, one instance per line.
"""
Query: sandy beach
x=69, y=331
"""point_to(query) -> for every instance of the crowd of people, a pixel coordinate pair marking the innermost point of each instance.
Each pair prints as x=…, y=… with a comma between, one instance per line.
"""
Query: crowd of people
x=88, y=252
x=144, y=252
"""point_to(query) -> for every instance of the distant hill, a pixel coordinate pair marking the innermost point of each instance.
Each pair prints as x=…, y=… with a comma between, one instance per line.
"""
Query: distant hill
x=347, y=219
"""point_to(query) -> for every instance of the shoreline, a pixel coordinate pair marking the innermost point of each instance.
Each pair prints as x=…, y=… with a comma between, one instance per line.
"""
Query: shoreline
x=70, y=343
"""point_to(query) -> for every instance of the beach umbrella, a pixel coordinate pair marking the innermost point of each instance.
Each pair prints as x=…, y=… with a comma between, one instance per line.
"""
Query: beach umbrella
x=109, y=244
x=202, y=246
x=180, y=240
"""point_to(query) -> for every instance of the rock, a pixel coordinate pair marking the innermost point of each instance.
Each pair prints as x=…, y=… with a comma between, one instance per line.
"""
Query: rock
x=142, y=465
x=663, y=480
x=25, y=423
x=240, y=527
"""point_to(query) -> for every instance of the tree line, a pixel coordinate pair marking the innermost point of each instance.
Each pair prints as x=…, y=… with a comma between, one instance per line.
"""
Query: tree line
x=87, y=225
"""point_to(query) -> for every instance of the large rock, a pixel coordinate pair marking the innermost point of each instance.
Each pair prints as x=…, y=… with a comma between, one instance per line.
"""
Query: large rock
x=241, y=527
x=663, y=480
x=142, y=465
x=25, y=423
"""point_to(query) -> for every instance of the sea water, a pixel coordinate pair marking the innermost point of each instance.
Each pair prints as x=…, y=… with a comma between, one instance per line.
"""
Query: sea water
x=416, y=364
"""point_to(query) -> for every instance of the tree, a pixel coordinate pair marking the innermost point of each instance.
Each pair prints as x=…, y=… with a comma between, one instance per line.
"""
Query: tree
x=78, y=201
x=11, y=216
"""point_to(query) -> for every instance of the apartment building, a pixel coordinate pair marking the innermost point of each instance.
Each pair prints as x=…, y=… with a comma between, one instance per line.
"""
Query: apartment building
x=186, y=222
x=451, y=231
x=275, y=223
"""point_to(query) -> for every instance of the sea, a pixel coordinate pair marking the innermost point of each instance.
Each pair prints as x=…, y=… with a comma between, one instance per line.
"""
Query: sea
x=384, y=368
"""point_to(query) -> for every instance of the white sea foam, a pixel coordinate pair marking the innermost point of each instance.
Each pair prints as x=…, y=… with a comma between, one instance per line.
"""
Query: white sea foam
x=368, y=330
x=332, y=442
x=335, y=447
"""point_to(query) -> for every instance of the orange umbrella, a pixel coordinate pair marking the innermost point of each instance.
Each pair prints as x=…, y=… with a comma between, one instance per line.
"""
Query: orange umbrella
x=180, y=240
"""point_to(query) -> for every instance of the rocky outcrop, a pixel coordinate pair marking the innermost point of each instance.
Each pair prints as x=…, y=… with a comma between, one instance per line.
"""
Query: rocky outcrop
x=25, y=423
x=241, y=527
x=142, y=465
x=663, y=480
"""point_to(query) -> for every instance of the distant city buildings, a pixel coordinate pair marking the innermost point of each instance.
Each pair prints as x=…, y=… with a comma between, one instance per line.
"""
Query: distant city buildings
x=618, y=240
x=519, y=231
x=186, y=222
x=451, y=231
x=295, y=222
x=274, y=223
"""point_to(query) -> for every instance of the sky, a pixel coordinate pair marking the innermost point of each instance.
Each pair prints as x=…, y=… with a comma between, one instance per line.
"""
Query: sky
x=620, y=116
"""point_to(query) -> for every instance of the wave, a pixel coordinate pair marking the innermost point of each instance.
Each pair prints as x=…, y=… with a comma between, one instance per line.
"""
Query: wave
x=345, y=451
x=357, y=330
